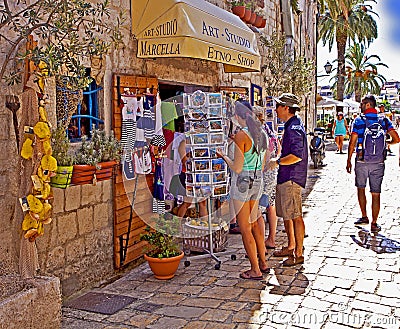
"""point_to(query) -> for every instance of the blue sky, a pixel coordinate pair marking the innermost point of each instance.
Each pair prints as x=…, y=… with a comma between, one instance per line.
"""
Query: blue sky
x=386, y=46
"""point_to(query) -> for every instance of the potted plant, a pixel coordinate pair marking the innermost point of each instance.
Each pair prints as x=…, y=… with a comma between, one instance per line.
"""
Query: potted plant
x=253, y=15
x=96, y=158
x=61, y=152
x=260, y=21
x=163, y=252
x=248, y=11
x=238, y=7
x=109, y=149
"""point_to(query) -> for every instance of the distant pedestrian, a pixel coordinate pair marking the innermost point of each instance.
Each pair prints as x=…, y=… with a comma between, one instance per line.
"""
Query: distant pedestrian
x=369, y=164
x=340, y=130
x=292, y=176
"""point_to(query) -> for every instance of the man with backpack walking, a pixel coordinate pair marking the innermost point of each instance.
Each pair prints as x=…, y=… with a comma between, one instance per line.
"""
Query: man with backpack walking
x=368, y=137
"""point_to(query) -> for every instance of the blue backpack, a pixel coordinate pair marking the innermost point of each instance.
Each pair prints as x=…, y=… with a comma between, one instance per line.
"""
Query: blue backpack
x=374, y=143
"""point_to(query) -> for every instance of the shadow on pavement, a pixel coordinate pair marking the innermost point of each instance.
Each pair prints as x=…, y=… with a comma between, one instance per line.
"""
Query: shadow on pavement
x=376, y=242
x=288, y=281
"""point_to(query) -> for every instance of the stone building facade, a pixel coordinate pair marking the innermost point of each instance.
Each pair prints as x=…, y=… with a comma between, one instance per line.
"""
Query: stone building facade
x=78, y=245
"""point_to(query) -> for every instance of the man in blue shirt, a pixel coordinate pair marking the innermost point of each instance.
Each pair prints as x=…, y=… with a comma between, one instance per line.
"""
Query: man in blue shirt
x=292, y=176
x=364, y=170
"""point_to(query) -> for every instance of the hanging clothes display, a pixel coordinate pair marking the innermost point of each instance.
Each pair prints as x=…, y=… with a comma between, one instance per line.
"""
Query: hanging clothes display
x=142, y=159
x=168, y=113
x=158, y=189
x=146, y=121
x=158, y=139
x=128, y=111
x=128, y=133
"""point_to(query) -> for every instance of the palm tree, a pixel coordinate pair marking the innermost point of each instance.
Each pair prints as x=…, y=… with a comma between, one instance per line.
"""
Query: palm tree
x=341, y=20
x=362, y=75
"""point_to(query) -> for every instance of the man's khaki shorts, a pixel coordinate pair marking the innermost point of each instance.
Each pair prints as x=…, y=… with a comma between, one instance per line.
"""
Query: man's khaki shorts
x=288, y=200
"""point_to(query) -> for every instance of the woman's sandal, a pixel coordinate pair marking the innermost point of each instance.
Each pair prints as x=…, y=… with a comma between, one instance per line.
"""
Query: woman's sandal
x=246, y=275
x=284, y=252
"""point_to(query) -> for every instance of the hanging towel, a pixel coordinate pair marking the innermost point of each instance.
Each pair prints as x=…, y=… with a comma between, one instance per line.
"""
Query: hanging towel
x=130, y=107
x=146, y=121
x=143, y=161
x=158, y=190
x=168, y=113
x=158, y=206
x=158, y=139
x=140, y=139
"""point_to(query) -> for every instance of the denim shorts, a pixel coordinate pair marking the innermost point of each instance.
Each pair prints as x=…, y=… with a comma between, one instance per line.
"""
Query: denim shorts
x=252, y=193
x=373, y=172
x=288, y=200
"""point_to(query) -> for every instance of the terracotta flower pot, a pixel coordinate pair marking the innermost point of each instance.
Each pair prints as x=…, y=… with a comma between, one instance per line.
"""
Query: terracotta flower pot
x=258, y=21
x=164, y=268
x=106, y=170
x=83, y=174
x=252, y=18
x=239, y=10
x=247, y=15
x=263, y=23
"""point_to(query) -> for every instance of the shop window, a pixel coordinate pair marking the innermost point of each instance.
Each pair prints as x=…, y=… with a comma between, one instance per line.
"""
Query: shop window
x=87, y=114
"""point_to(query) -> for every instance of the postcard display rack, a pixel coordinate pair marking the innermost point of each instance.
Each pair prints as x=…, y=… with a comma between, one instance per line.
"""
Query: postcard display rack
x=206, y=130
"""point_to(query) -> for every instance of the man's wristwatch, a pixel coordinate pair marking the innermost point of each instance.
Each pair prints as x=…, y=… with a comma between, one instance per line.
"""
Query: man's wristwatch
x=278, y=161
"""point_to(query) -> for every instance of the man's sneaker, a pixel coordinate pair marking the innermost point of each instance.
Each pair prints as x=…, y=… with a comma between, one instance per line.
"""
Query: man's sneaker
x=375, y=227
x=362, y=221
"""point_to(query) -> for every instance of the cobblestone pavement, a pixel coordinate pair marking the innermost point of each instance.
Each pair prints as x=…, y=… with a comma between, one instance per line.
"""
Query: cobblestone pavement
x=350, y=279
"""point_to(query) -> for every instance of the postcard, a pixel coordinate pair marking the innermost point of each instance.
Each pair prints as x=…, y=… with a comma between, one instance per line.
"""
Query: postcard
x=189, y=178
x=199, y=139
x=214, y=149
x=215, y=112
x=186, y=100
x=199, y=126
x=201, y=152
x=219, y=177
x=217, y=138
x=214, y=98
x=202, y=191
x=220, y=190
x=202, y=165
x=218, y=164
x=202, y=178
x=190, y=190
x=216, y=125
x=189, y=165
x=198, y=114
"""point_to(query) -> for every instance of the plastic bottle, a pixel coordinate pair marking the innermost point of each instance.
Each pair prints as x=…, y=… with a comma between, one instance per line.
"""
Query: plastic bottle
x=360, y=152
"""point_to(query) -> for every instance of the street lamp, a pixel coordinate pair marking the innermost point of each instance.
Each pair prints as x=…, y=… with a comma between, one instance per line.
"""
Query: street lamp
x=328, y=70
x=328, y=67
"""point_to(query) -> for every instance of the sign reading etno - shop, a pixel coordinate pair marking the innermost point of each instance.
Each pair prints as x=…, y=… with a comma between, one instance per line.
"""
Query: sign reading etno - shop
x=163, y=40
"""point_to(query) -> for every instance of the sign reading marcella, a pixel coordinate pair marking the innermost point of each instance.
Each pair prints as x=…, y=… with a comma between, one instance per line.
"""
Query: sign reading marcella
x=187, y=47
x=186, y=31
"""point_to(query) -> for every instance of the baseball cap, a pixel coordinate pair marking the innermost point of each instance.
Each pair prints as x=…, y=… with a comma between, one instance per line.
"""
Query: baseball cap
x=288, y=99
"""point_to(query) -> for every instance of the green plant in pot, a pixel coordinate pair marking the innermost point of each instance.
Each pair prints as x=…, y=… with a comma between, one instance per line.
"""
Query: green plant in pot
x=163, y=252
x=238, y=7
x=96, y=158
x=61, y=152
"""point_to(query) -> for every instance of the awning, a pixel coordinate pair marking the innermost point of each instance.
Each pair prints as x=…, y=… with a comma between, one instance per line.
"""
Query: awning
x=195, y=29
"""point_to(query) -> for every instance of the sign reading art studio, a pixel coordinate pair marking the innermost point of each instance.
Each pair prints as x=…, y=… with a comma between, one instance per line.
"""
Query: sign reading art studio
x=187, y=31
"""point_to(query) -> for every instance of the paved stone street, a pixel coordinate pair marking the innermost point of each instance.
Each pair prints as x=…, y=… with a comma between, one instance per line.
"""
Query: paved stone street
x=350, y=279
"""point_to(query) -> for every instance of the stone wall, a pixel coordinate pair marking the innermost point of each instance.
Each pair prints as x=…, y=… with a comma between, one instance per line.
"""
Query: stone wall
x=37, y=307
x=77, y=246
